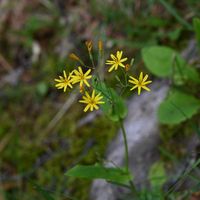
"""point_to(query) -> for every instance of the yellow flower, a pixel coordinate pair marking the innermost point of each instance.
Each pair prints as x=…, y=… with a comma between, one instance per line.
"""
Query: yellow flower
x=92, y=101
x=64, y=81
x=139, y=83
x=116, y=61
x=79, y=76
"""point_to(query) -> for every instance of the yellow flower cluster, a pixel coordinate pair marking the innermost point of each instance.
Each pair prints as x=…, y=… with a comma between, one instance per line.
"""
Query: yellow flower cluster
x=81, y=76
x=78, y=76
x=118, y=61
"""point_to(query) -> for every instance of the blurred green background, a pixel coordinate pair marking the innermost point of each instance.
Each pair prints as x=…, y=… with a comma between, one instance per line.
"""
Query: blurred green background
x=43, y=131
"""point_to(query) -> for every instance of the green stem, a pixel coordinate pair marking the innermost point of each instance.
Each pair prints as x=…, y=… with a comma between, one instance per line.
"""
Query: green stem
x=132, y=186
x=125, y=145
x=91, y=58
x=133, y=189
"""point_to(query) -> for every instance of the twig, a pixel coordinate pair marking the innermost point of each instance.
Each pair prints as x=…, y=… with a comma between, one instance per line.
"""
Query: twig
x=60, y=113
x=173, y=12
x=88, y=119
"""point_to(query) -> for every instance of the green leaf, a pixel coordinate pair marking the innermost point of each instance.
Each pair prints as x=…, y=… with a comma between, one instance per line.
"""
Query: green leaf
x=178, y=107
x=114, y=106
x=165, y=62
x=157, y=175
x=97, y=171
x=159, y=60
x=196, y=25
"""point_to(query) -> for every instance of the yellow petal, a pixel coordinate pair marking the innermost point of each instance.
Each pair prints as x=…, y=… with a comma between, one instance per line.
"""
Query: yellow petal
x=65, y=88
x=134, y=87
x=64, y=74
x=110, y=62
x=146, y=88
x=83, y=101
x=87, y=95
x=147, y=82
x=101, y=102
x=58, y=80
x=96, y=107
x=141, y=76
x=133, y=81
x=91, y=107
x=88, y=71
x=86, y=83
x=122, y=65
x=86, y=108
x=93, y=94
x=131, y=77
x=76, y=72
x=88, y=77
x=123, y=60
x=80, y=70
x=145, y=78
x=111, y=68
x=113, y=57
x=119, y=55
x=139, y=90
x=116, y=66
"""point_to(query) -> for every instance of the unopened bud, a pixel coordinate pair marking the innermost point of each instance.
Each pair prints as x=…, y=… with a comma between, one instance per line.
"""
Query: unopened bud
x=132, y=61
x=74, y=57
x=100, y=45
x=81, y=89
x=89, y=45
x=127, y=67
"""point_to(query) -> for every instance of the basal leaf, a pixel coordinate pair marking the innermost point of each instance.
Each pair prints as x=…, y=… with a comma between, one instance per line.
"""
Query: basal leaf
x=159, y=60
x=165, y=62
x=97, y=171
x=157, y=175
x=178, y=107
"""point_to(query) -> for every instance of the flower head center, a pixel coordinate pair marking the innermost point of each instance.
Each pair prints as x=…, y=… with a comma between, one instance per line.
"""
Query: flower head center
x=140, y=83
x=92, y=101
x=82, y=77
x=66, y=81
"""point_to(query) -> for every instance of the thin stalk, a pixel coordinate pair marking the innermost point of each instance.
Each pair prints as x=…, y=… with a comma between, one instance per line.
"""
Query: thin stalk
x=131, y=184
x=125, y=145
x=133, y=189
x=92, y=60
x=174, y=12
